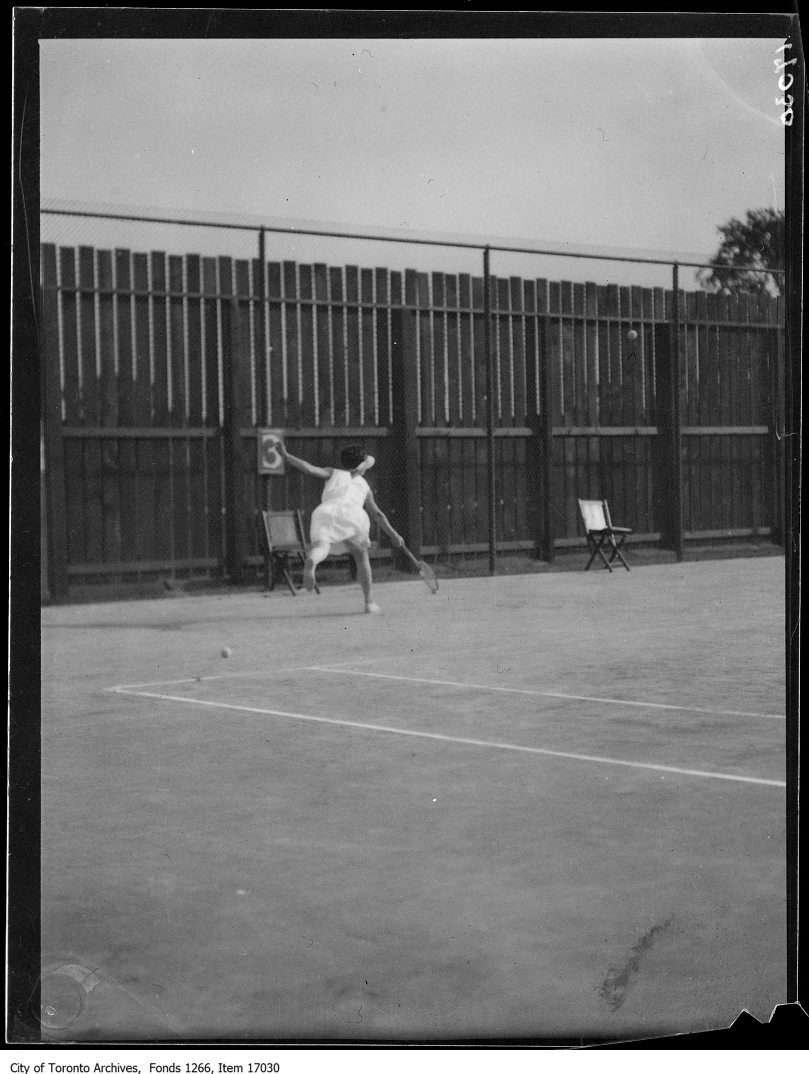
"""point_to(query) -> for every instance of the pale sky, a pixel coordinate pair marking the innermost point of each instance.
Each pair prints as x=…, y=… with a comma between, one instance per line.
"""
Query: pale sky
x=629, y=143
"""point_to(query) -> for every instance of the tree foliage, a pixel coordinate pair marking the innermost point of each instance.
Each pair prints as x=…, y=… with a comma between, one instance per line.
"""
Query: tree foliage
x=758, y=241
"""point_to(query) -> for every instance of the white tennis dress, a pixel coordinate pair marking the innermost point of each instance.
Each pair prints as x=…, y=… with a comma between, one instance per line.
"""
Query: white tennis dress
x=340, y=515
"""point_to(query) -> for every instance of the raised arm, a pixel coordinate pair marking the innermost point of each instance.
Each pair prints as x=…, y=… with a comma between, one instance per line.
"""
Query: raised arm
x=301, y=464
x=379, y=517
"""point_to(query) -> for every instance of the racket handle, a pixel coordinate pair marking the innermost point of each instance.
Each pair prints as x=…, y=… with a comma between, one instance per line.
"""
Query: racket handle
x=410, y=556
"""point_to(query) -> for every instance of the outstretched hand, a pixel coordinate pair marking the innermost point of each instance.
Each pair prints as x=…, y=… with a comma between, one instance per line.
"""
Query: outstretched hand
x=280, y=447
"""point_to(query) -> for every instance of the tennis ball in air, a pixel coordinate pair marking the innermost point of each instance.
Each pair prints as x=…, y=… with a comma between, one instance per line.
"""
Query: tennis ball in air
x=632, y=334
x=226, y=651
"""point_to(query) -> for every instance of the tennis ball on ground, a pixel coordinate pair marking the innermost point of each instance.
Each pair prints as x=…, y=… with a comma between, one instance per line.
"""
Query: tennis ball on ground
x=226, y=651
x=632, y=334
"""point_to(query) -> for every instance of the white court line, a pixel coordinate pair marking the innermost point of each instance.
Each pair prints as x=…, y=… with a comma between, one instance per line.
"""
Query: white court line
x=241, y=674
x=548, y=693
x=451, y=738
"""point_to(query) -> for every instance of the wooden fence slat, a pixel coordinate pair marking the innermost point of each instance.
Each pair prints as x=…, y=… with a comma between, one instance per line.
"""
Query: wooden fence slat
x=127, y=483
x=384, y=301
x=467, y=508
x=646, y=330
x=276, y=355
x=579, y=354
x=107, y=357
x=453, y=352
x=754, y=359
x=75, y=502
x=91, y=403
x=55, y=535
x=370, y=375
x=452, y=389
x=435, y=352
x=338, y=351
x=193, y=329
x=290, y=314
x=309, y=369
x=111, y=492
x=508, y=491
x=590, y=313
x=325, y=373
x=125, y=353
x=163, y=503
x=635, y=354
x=553, y=341
x=197, y=494
x=353, y=347
x=517, y=345
x=144, y=481
x=69, y=335
x=697, y=339
x=161, y=373
x=615, y=415
x=479, y=352
x=143, y=342
x=438, y=349
x=530, y=341
x=502, y=351
x=424, y=343
x=211, y=350
x=176, y=343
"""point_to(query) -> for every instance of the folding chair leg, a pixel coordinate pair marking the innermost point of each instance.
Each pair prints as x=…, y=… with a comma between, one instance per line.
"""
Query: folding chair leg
x=280, y=570
x=289, y=581
x=598, y=551
x=616, y=552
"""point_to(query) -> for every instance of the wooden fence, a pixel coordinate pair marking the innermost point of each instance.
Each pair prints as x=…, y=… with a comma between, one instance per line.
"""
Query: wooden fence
x=159, y=370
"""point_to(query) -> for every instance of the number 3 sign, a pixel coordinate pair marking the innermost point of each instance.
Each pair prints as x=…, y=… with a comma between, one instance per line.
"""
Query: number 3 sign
x=269, y=461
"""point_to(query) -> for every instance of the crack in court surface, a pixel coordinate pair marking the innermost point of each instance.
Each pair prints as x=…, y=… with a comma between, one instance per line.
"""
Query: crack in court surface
x=618, y=980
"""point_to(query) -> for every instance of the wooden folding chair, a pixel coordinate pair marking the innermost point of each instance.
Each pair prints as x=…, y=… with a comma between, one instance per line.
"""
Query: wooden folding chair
x=601, y=534
x=283, y=538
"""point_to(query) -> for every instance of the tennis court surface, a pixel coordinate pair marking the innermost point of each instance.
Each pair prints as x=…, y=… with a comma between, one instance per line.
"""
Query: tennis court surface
x=538, y=807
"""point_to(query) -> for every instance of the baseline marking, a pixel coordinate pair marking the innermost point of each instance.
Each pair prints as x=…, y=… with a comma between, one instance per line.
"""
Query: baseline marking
x=547, y=693
x=451, y=738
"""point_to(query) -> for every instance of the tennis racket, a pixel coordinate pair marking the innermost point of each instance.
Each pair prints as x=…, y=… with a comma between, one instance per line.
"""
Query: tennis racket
x=425, y=572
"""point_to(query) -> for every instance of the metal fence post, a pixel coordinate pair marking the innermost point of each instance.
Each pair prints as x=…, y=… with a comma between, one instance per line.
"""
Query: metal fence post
x=777, y=419
x=406, y=450
x=262, y=359
x=262, y=332
x=546, y=422
x=55, y=531
x=234, y=483
x=490, y=412
x=676, y=457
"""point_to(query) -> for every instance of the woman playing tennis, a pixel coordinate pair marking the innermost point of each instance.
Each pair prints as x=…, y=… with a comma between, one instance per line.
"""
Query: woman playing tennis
x=343, y=515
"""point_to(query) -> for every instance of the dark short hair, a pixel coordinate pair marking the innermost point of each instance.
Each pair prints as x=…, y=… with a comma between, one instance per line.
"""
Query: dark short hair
x=352, y=456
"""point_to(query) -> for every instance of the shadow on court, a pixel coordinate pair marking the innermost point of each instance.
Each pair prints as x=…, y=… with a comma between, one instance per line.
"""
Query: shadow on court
x=534, y=807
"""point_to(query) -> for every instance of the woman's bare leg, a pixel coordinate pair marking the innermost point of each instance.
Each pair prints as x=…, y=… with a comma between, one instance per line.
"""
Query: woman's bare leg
x=317, y=553
x=364, y=576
